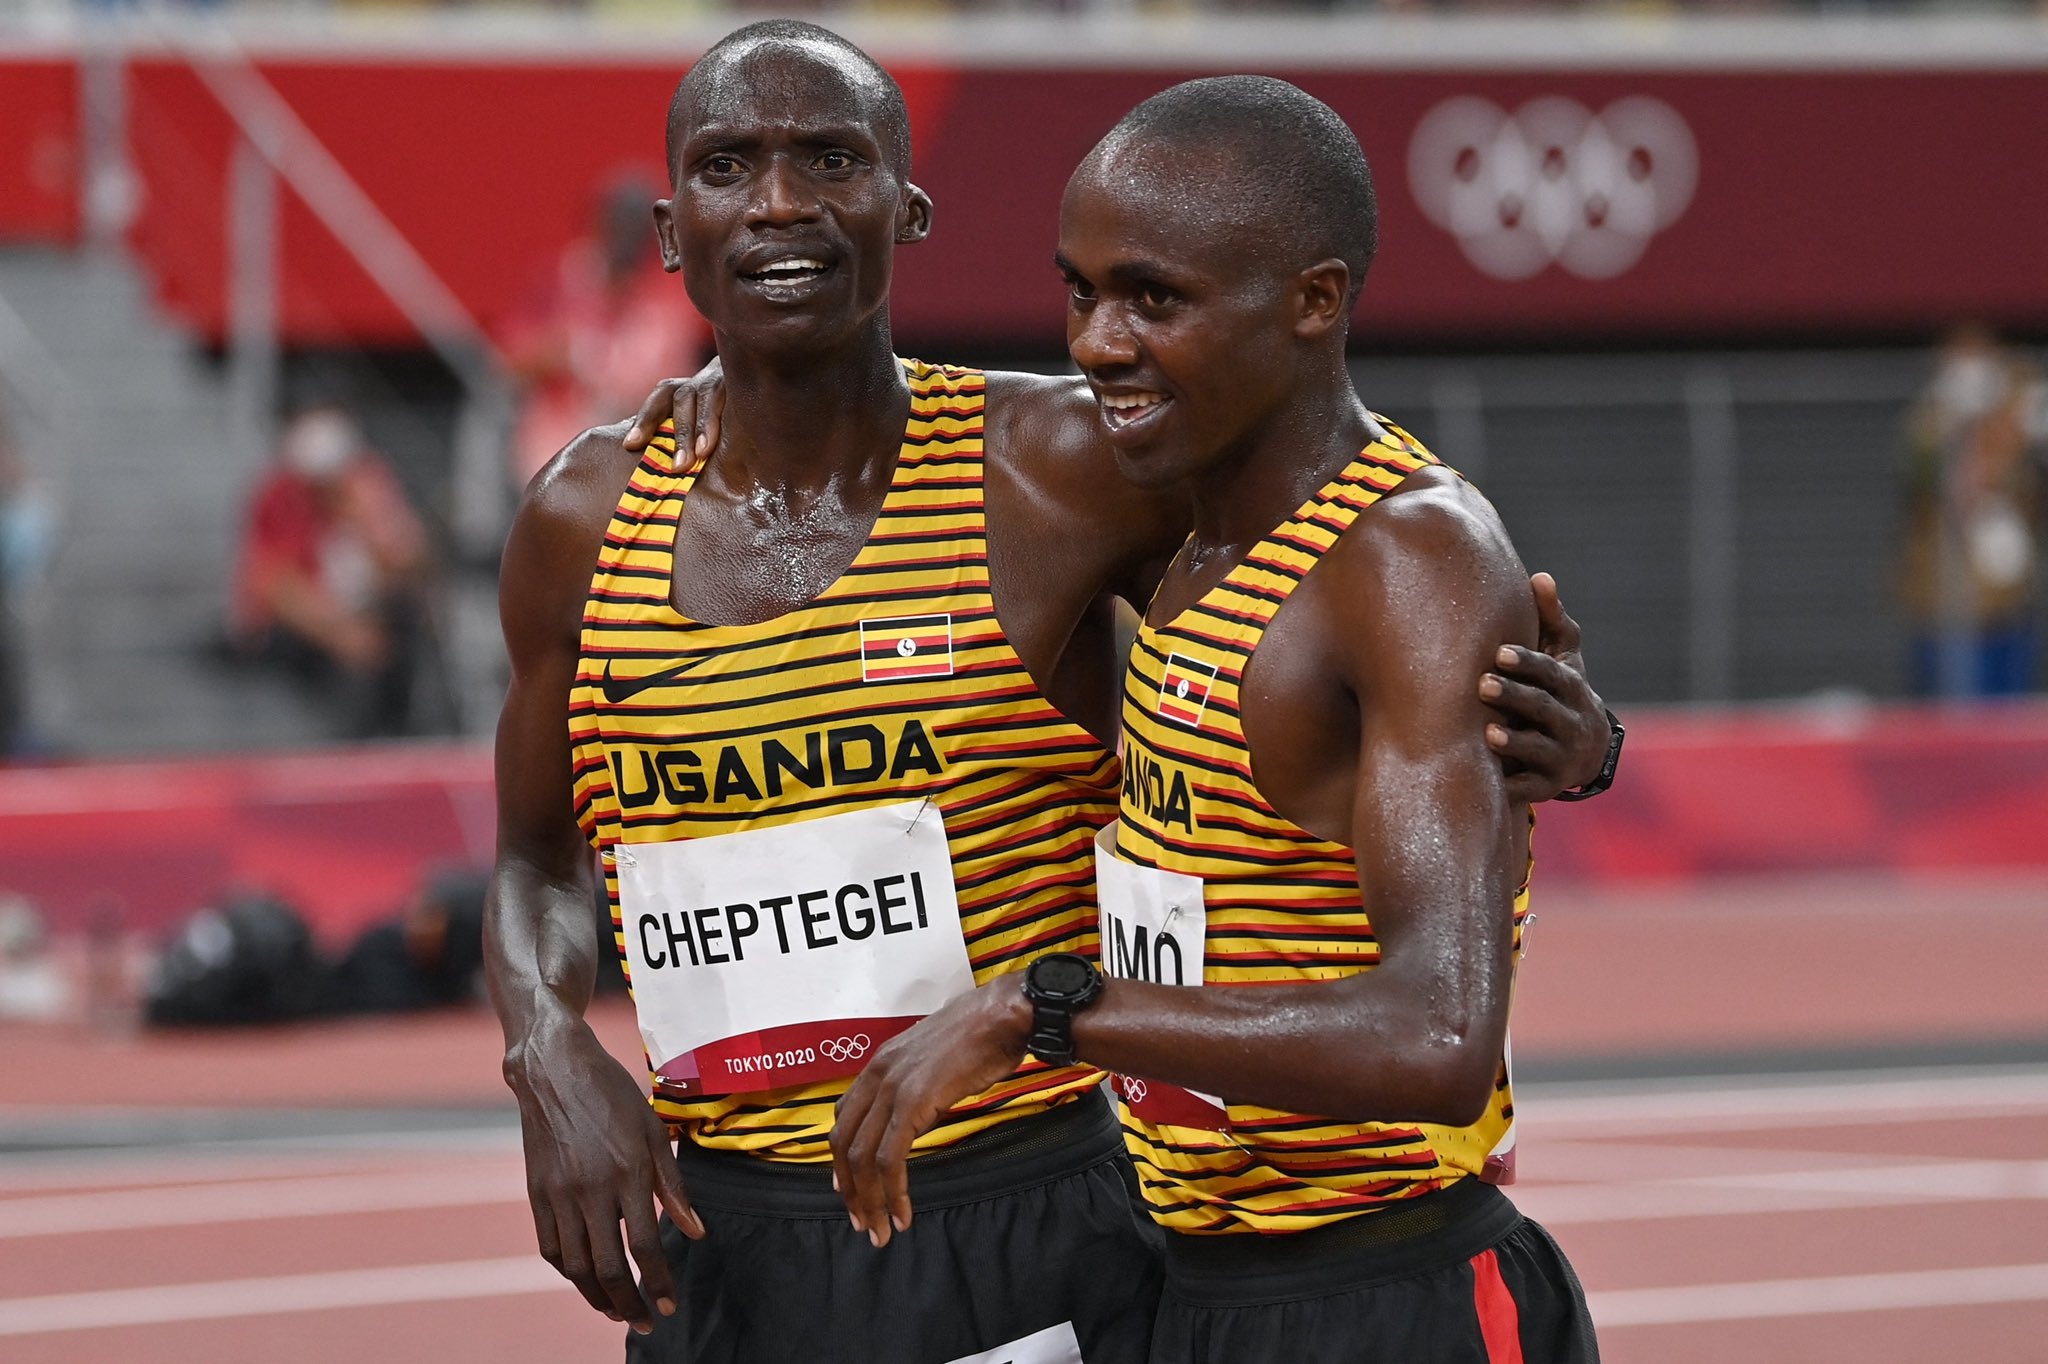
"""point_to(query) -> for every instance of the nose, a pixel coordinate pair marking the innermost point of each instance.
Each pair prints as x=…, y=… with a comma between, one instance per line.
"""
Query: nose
x=782, y=196
x=1099, y=338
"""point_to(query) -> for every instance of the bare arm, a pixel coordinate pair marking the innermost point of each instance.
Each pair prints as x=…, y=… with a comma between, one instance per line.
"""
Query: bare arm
x=596, y=1156
x=1420, y=599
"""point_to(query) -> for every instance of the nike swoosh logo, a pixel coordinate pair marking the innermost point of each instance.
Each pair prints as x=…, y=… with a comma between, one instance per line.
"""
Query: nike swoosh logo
x=619, y=690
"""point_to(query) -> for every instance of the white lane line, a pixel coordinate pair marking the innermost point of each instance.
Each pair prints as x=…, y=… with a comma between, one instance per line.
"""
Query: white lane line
x=283, y=1293
x=65, y=1214
x=1764, y=1192
x=1818, y=1297
x=1802, y=1103
x=165, y=1169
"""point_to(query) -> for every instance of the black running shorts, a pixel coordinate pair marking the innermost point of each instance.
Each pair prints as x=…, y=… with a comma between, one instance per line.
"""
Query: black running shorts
x=1027, y=1245
x=1459, y=1277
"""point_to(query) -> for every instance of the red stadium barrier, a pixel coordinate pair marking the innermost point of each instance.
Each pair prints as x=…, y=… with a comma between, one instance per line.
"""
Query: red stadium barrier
x=346, y=836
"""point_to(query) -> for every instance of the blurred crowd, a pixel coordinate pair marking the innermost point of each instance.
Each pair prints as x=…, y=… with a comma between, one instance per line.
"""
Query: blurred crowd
x=1971, y=566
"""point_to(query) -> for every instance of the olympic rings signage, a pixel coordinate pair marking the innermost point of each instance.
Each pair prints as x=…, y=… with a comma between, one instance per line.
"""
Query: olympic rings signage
x=845, y=1048
x=1553, y=182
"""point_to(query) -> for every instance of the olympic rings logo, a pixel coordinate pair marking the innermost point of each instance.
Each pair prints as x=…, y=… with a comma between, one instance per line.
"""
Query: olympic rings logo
x=1553, y=183
x=1135, y=1089
x=845, y=1048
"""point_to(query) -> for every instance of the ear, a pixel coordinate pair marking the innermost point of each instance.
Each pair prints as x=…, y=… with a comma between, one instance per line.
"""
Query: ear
x=914, y=221
x=1322, y=298
x=665, y=229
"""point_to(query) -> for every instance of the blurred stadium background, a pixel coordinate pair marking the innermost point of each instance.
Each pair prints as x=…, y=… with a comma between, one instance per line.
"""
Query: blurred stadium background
x=1735, y=310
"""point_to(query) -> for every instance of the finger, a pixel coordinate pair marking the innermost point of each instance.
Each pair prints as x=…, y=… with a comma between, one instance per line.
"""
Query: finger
x=611, y=1271
x=643, y=1242
x=1557, y=632
x=846, y=1128
x=1522, y=704
x=573, y=1249
x=895, y=1170
x=668, y=1187
x=1528, y=788
x=1537, y=760
x=544, y=1233
x=713, y=409
x=651, y=415
x=684, y=414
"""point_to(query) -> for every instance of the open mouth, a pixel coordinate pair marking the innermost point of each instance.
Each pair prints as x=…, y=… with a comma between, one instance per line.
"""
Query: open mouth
x=790, y=270
x=1129, y=411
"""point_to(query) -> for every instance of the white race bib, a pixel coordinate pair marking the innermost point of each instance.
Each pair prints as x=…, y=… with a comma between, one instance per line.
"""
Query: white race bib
x=1054, y=1345
x=786, y=955
x=1155, y=927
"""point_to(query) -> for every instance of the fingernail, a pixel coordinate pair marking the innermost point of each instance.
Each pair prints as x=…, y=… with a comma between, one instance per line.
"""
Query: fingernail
x=643, y=1328
x=1489, y=686
x=855, y=1219
x=1506, y=656
x=835, y=1181
x=900, y=1223
x=875, y=1239
x=1496, y=734
x=665, y=1306
x=615, y=1316
x=702, y=443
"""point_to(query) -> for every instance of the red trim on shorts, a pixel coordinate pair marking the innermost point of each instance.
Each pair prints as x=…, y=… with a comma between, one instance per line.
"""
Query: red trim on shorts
x=1500, y=1321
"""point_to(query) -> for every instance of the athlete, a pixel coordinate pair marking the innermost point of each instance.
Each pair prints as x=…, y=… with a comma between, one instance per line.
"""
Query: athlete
x=1306, y=807
x=836, y=708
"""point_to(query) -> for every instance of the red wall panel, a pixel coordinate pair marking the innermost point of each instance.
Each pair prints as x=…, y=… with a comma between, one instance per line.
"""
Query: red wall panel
x=1825, y=201
x=39, y=149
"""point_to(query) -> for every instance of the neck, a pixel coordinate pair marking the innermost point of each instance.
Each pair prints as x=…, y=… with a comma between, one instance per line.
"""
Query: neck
x=1253, y=487
x=803, y=420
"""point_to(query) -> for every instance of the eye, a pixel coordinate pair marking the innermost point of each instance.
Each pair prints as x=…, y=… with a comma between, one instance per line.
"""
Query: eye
x=1081, y=290
x=837, y=161
x=1157, y=297
x=718, y=163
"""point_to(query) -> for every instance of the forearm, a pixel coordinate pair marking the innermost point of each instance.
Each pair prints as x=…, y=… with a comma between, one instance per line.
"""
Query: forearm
x=540, y=957
x=1360, y=1048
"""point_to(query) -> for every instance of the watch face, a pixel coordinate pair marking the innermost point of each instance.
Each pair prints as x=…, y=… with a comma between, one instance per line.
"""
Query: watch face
x=1061, y=975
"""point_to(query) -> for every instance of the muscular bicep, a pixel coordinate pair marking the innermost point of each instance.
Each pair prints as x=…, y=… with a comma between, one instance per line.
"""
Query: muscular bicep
x=1440, y=844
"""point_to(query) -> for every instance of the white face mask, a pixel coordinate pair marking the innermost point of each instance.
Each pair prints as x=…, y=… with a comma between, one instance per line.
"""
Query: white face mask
x=318, y=444
x=1968, y=386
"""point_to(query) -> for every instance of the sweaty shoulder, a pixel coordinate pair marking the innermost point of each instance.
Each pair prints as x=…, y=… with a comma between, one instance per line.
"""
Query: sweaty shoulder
x=582, y=484
x=553, y=545
x=1045, y=440
x=1432, y=565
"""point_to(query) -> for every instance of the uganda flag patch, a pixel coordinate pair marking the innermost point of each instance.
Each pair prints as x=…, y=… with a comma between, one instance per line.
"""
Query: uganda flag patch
x=1184, y=690
x=906, y=646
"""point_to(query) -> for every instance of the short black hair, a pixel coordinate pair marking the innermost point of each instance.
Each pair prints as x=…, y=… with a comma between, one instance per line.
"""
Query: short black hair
x=1300, y=168
x=893, y=115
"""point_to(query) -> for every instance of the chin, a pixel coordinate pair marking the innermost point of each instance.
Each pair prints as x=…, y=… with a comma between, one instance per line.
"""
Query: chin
x=1151, y=469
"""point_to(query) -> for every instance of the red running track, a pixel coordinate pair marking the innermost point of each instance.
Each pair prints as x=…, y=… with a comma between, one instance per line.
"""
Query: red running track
x=1881, y=1218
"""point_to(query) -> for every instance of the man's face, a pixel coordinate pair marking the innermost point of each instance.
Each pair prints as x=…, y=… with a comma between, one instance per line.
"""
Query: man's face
x=1175, y=316
x=786, y=207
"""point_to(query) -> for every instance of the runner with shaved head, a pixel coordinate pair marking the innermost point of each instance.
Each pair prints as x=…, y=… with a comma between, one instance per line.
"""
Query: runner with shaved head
x=1314, y=896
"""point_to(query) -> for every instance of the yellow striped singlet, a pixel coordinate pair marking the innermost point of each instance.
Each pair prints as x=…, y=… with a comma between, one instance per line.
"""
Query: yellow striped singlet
x=1022, y=789
x=1282, y=904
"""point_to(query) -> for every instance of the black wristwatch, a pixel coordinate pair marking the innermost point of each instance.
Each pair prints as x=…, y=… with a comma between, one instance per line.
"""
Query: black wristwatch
x=1058, y=985
x=1615, y=734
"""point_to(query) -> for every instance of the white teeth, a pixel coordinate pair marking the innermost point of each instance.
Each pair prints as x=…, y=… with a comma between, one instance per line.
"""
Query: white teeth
x=790, y=266
x=1121, y=402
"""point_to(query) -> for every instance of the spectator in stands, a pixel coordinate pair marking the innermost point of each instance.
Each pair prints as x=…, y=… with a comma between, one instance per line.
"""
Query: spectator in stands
x=607, y=327
x=333, y=564
x=1972, y=559
x=25, y=536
